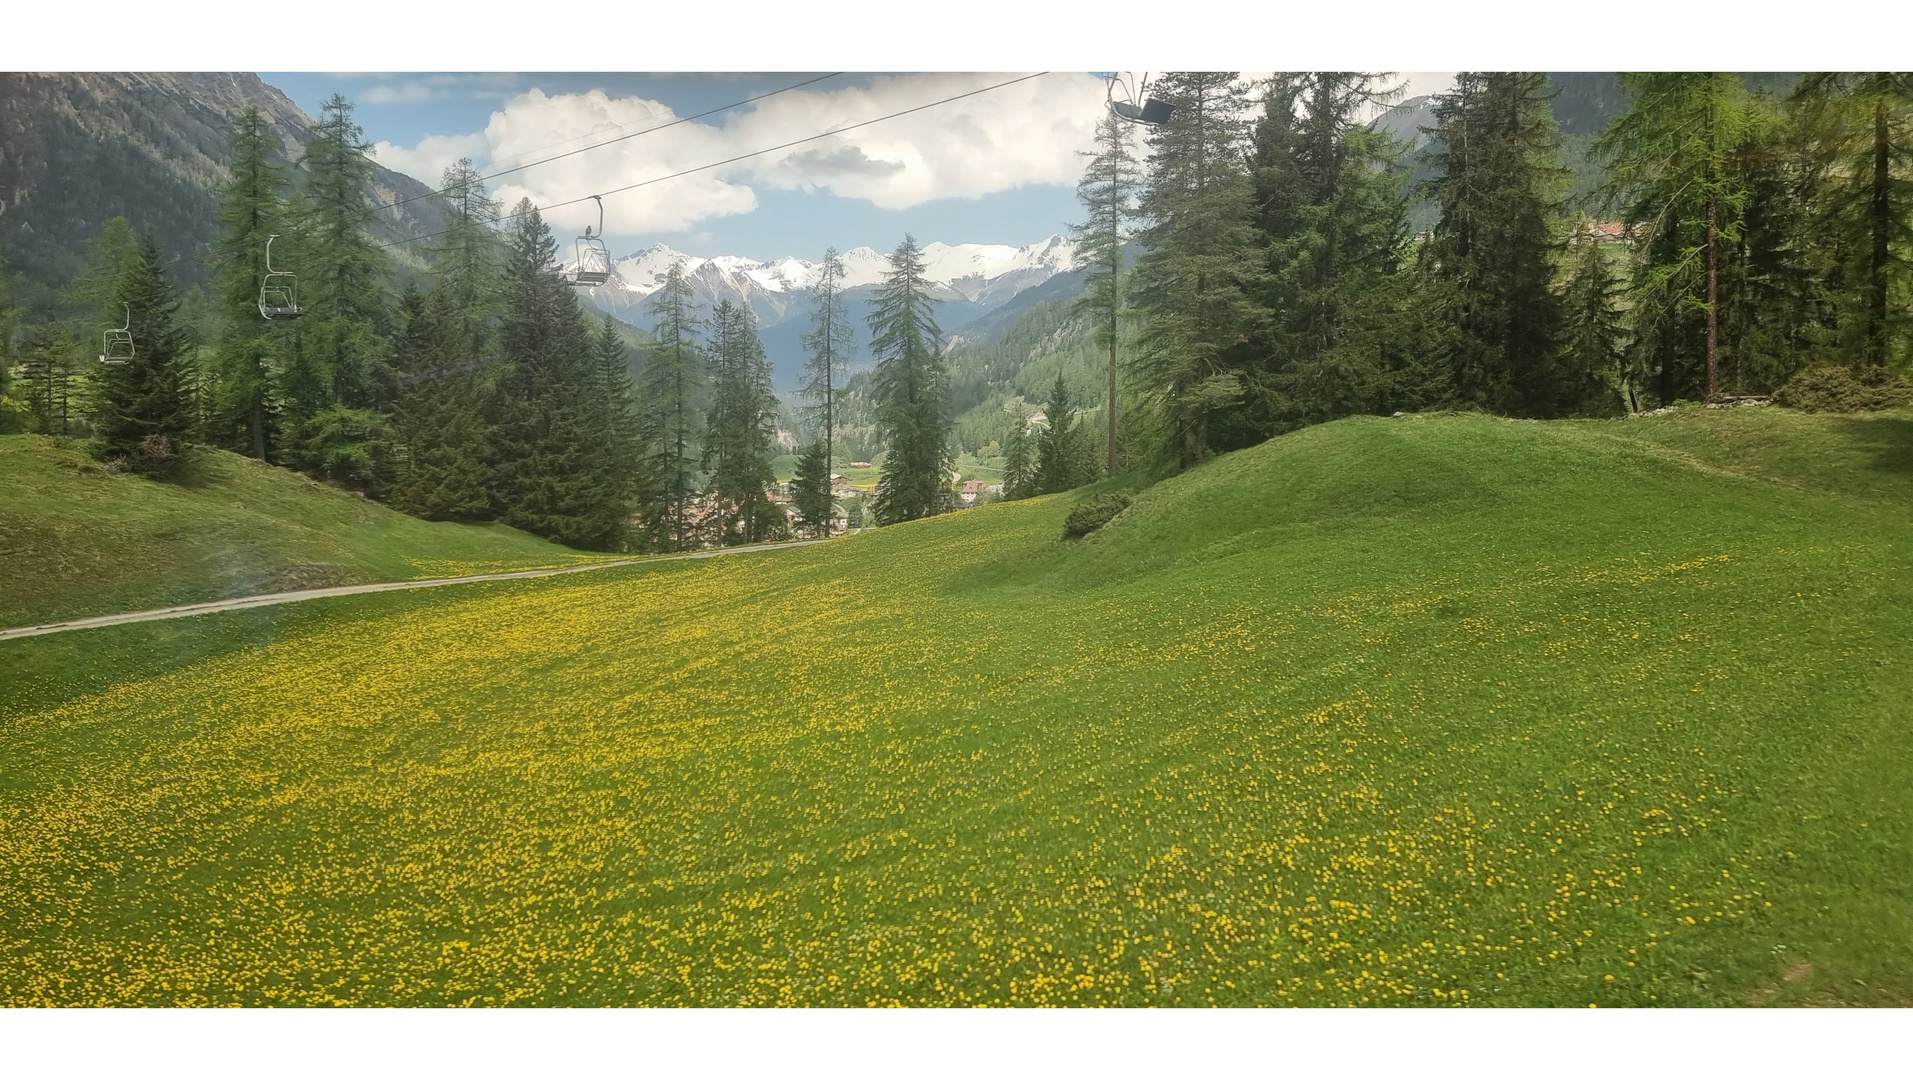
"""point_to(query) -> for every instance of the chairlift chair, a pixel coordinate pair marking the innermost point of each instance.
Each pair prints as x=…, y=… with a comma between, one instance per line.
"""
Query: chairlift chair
x=116, y=346
x=1153, y=112
x=279, y=291
x=592, y=265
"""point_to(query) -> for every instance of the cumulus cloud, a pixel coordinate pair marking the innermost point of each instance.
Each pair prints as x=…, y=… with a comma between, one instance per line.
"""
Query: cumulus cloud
x=1027, y=133
x=427, y=160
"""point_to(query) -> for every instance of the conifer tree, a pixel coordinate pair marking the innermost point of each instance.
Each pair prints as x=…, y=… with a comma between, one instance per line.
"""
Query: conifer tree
x=828, y=343
x=1670, y=159
x=251, y=204
x=1193, y=282
x=1500, y=187
x=615, y=423
x=342, y=437
x=741, y=427
x=444, y=450
x=551, y=473
x=47, y=367
x=1594, y=334
x=467, y=259
x=674, y=387
x=139, y=413
x=810, y=489
x=1055, y=452
x=1331, y=207
x=1019, y=459
x=909, y=389
x=1863, y=122
x=1108, y=193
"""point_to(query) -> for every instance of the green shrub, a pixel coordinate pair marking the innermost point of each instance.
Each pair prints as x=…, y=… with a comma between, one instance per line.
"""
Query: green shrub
x=1837, y=388
x=1089, y=516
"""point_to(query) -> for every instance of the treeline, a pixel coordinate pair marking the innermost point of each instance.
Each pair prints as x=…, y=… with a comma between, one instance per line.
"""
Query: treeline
x=1280, y=284
x=477, y=390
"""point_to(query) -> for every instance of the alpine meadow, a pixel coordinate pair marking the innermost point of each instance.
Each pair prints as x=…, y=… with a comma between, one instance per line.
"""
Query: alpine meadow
x=1372, y=539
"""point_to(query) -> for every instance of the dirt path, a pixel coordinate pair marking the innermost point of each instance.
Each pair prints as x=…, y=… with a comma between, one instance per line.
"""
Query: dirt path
x=266, y=599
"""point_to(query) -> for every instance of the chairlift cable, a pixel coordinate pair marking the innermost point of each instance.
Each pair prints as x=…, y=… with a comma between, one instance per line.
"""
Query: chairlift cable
x=752, y=154
x=395, y=204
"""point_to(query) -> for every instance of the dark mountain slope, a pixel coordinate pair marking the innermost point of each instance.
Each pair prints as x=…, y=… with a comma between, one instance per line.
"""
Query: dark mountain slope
x=77, y=149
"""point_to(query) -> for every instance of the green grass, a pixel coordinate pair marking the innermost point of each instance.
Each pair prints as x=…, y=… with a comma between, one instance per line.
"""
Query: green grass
x=1430, y=710
x=77, y=540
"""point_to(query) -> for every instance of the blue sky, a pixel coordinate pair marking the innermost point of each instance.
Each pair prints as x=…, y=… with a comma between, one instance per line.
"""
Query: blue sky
x=1019, y=203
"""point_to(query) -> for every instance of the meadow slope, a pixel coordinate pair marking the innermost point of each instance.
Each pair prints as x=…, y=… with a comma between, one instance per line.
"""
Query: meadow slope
x=1431, y=710
x=78, y=540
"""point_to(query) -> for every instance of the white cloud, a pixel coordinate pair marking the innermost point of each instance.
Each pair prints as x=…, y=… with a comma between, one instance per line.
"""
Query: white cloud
x=1027, y=133
x=427, y=160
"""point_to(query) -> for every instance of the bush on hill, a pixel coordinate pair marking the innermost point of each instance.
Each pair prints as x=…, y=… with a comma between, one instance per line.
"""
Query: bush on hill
x=1838, y=388
x=1089, y=516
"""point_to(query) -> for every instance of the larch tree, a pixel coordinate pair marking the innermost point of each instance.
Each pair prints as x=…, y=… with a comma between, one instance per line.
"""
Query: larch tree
x=251, y=210
x=1019, y=457
x=1194, y=281
x=1108, y=191
x=910, y=388
x=1670, y=161
x=343, y=436
x=673, y=394
x=828, y=345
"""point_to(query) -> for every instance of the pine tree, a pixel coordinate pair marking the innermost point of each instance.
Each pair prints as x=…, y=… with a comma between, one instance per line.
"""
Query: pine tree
x=251, y=204
x=342, y=436
x=443, y=440
x=1670, y=159
x=909, y=389
x=1594, y=334
x=674, y=387
x=1500, y=187
x=828, y=343
x=1108, y=193
x=139, y=412
x=810, y=489
x=1331, y=207
x=1019, y=460
x=1194, y=279
x=1864, y=124
x=741, y=427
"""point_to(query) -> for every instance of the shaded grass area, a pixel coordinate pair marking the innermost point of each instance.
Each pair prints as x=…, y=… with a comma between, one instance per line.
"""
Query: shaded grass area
x=1421, y=711
x=77, y=540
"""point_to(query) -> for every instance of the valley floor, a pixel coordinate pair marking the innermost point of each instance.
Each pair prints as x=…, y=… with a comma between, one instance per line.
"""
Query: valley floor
x=1432, y=710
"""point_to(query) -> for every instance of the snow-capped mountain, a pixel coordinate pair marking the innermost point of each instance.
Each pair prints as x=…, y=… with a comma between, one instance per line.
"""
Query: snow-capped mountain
x=970, y=280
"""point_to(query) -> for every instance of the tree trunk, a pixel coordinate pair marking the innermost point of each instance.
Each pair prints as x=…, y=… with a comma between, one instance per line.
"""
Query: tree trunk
x=1882, y=223
x=1713, y=295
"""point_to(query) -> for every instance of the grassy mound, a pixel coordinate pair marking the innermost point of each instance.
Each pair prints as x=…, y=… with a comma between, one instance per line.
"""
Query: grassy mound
x=78, y=540
x=1427, y=711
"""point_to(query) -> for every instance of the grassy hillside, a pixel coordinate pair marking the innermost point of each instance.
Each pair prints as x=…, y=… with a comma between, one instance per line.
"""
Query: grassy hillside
x=1432, y=710
x=77, y=540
